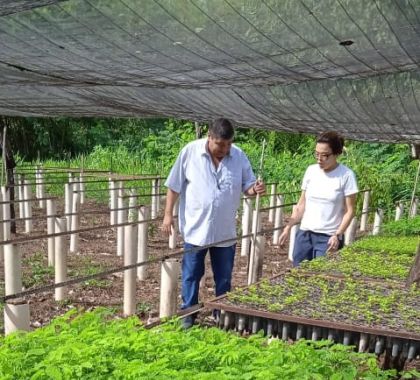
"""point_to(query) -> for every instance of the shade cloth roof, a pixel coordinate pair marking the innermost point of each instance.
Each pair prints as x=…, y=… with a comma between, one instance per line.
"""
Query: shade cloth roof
x=291, y=65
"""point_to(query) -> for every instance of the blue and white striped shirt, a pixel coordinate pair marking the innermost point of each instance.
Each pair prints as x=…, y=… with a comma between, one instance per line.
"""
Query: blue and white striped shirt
x=209, y=197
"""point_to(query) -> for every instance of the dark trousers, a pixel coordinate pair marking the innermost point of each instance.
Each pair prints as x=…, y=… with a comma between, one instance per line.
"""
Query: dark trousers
x=310, y=245
x=221, y=258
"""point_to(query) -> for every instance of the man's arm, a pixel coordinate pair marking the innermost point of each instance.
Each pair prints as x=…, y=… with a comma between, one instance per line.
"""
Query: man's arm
x=168, y=222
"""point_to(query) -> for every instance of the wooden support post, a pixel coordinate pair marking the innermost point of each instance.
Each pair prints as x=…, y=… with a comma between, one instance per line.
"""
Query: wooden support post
x=60, y=259
x=130, y=242
x=170, y=270
x=256, y=262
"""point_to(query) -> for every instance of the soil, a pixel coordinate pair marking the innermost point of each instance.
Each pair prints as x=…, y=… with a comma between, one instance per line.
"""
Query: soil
x=98, y=253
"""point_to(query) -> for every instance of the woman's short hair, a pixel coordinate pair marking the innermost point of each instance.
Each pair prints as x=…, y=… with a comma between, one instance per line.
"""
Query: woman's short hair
x=333, y=139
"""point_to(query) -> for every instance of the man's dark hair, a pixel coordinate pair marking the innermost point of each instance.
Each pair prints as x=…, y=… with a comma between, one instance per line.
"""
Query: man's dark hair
x=221, y=129
x=334, y=140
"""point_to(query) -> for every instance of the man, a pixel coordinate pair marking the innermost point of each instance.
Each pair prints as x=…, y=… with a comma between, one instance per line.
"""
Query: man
x=209, y=175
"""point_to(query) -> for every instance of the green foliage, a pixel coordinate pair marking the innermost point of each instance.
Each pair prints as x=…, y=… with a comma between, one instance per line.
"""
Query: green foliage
x=403, y=227
x=401, y=245
x=91, y=346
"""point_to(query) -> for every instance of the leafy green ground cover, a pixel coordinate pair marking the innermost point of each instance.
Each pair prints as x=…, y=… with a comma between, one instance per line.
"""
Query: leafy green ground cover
x=385, y=257
x=403, y=227
x=92, y=346
x=349, y=301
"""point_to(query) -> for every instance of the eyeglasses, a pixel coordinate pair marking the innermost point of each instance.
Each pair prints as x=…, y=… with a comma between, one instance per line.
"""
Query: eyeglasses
x=322, y=156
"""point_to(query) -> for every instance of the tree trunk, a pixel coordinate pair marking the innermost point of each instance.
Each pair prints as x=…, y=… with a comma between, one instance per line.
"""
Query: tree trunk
x=9, y=166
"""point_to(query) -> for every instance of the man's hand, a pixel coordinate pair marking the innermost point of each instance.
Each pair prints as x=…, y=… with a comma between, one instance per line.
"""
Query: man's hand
x=167, y=224
x=259, y=187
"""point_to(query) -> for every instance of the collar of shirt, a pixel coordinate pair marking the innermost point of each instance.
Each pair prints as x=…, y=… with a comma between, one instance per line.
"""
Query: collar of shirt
x=204, y=149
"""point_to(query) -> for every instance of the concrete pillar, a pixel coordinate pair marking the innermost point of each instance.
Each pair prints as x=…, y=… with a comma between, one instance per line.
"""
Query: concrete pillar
x=170, y=270
x=130, y=242
x=292, y=238
x=16, y=316
x=21, y=196
x=60, y=259
x=246, y=225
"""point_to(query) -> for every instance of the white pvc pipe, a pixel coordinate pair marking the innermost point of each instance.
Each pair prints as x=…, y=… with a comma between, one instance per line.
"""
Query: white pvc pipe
x=41, y=189
x=82, y=188
x=350, y=233
x=27, y=195
x=170, y=270
x=37, y=182
x=256, y=262
x=272, y=211
x=132, y=203
x=60, y=259
x=379, y=216
x=51, y=215
x=278, y=219
x=174, y=229
x=121, y=218
x=246, y=225
x=12, y=269
x=365, y=210
x=157, y=196
x=130, y=237
x=399, y=210
x=113, y=201
x=21, y=195
x=292, y=239
x=5, y=196
x=16, y=316
x=153, y=200
x=1, y=231
x=74, y=238
x=414, y=207
x=142, y=254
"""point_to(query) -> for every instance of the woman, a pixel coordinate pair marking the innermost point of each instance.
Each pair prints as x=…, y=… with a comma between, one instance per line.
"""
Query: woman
x=326, y=205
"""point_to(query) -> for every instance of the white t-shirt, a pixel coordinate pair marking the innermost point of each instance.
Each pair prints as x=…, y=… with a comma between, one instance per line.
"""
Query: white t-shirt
x=324, y=197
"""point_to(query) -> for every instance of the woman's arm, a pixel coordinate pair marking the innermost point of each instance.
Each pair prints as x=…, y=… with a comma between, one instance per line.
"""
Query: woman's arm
x=296, y=217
